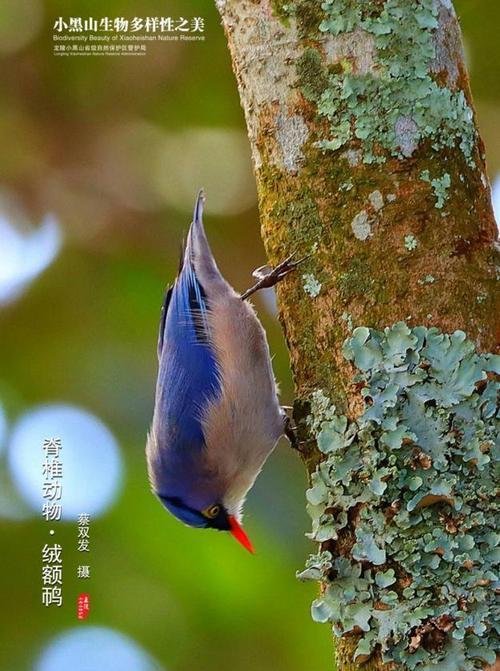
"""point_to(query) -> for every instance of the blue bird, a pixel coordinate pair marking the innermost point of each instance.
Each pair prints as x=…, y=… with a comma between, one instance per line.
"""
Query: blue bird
x=217, y=416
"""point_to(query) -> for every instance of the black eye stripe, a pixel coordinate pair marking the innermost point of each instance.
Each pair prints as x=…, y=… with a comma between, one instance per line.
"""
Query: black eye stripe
x=179, y=503
x=219, y=521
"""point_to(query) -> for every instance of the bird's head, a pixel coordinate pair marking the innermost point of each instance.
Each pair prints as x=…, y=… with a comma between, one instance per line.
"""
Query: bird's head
x=213, y=516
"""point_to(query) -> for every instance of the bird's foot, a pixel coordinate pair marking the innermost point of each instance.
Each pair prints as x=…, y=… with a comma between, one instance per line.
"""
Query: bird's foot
x=268, y=277
x=289, y=430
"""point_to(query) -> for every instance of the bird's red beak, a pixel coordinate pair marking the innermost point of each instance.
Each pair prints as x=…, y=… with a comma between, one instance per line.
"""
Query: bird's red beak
x=237, y=531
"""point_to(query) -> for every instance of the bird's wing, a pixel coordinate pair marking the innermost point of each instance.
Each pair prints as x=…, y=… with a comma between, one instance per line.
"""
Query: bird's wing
x=197, y=267
x=163, y=316
x=189, y=375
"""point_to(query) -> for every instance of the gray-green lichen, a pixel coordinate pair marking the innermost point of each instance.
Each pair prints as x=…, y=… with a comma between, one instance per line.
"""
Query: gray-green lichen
x=347, y=317
x=480, y=298
x=311, y=285
x=428, y=279
x=410, y=242
x=399, y=103
x=346, y=186
x=376, y=200
x=440, y=186
x=417, y=472
x=362, y=225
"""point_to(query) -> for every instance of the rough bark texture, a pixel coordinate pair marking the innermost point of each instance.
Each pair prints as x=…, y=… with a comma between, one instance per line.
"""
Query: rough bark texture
x=396, y=210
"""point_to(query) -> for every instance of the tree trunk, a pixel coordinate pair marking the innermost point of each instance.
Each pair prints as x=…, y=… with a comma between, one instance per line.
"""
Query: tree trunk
x=367, y=157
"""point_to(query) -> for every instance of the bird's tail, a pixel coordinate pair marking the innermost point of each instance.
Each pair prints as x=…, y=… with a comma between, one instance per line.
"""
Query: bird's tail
x=197, y=252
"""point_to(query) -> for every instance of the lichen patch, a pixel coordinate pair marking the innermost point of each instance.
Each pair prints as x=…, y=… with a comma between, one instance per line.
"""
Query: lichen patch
x=411, y=483
x=361, y=225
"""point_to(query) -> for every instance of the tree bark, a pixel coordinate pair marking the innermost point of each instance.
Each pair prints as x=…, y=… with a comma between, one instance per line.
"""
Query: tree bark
x=367, y=156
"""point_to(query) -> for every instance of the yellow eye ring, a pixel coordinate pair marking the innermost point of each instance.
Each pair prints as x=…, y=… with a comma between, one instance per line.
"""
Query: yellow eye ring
x=211, y=512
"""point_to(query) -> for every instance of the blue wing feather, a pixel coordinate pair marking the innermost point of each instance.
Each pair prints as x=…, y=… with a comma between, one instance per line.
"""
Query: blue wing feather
x=188, y=367
x=163, y=317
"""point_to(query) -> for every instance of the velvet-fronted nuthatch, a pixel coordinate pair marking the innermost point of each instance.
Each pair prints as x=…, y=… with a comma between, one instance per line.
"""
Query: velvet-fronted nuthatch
x=217, y=416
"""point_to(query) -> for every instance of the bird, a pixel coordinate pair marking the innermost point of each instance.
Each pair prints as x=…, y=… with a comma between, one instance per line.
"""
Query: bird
x=217, y=416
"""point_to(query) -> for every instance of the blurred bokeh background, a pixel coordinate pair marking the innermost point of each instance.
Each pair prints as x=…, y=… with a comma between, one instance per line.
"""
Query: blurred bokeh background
x=100, y=160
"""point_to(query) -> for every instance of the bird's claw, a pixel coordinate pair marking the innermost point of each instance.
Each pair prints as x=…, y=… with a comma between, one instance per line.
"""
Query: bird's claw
x=274, y=275
x=290, y=433
x=261, y=272
x=268, y=277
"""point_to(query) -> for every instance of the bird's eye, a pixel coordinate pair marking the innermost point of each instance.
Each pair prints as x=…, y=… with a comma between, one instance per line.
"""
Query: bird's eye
x=211, y=512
